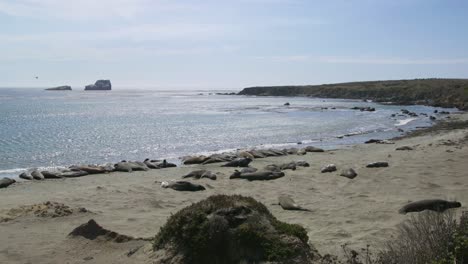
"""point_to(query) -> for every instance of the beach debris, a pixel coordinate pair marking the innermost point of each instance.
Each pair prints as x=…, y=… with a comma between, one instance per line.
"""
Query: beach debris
x=349, y=173
x=227, y=225
x=240, y=162
x=92, y=230
x=183, y=186
x=378, y=164
x=328, y=168
x=257, y=176
x=5, y=182
x=287, y=203
x=437, y=205
x=404, y=148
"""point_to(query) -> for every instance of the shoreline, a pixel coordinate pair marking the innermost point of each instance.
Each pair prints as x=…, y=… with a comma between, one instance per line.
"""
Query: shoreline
x=358, y=212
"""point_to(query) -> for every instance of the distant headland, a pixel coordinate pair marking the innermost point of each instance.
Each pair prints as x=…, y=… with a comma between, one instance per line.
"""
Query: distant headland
x=100, y=85
x=433, y=92
x=60, y=88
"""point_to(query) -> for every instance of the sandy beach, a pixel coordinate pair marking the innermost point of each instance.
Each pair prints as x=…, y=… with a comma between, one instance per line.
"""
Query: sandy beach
x=358, y=211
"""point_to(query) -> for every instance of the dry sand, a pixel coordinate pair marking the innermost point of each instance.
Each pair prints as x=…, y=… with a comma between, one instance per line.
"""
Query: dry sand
x=360, y=211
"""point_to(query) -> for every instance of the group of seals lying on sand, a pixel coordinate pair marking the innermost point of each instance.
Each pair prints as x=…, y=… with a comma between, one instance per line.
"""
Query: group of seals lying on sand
x=437, y=205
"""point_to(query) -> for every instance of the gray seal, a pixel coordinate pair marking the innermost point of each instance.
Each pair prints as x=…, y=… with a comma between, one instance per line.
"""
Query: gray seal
x=37, y=175
x=238, y=163
x=5, y=182
x=183, y=186
x=257, y=176
x=437, y=205
x=378, y=164
x=26, y=176
x=287, y=203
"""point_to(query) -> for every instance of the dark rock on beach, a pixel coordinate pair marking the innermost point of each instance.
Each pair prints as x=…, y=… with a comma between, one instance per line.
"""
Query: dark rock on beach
x=5, y=182
x=92, y=230
x=328, y=168
x=348, y=173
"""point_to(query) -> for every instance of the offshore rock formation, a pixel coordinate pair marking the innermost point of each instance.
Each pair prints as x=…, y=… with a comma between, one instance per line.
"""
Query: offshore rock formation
x=60, y=88
x=433, y=92
x=100, y=85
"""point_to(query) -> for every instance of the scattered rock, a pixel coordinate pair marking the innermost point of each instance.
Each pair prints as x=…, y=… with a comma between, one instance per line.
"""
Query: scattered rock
x=348, y=173
x=100, y=85
x=329, y=168
x=368, y=108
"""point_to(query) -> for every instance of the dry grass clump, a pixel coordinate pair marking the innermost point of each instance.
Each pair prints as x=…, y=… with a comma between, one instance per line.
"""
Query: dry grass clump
x=429, y=237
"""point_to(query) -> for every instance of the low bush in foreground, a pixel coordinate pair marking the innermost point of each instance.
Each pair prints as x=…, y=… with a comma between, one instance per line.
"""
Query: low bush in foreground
x=231, y=229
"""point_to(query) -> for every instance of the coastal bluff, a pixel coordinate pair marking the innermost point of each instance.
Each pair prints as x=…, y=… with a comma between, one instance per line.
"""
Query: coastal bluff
x=432, y=92
x=100, y=85
x=60, y=88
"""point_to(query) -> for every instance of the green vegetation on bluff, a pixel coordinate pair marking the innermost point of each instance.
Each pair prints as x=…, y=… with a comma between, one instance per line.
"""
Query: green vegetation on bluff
x=433, y=92
x=232, y=229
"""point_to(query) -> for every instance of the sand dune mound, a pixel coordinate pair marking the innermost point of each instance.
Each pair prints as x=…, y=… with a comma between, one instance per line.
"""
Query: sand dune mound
x=92, y=230
x=231, y=229
x=46, y=209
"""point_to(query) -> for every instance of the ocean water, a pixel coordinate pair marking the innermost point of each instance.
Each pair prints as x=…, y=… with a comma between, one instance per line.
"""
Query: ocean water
x=53, y=128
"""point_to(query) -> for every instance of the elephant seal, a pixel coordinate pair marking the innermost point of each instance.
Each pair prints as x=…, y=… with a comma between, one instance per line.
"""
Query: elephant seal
x=73, y=174
x=256, y=154
x=123, y=166
x=150, y=164
x=37, y=175
x=138, y=166
x=5, y=182
x=302, y=163
x=183, y=186
x=287, y=203
x=52, y=174
x=313, y=149
x=195, y=174
x=26, y=176
x=404, y=148
x=248, y=170
x=194, y=160
x=272, y=167
x=288, y=166
x=245, y=154
x=329, y=168
x=257, y=176
x=209, y=175
x=437, y=205
x=243, y=162
x=348, y=173
x=378, y=164
x=91, y=169
x=301, y=152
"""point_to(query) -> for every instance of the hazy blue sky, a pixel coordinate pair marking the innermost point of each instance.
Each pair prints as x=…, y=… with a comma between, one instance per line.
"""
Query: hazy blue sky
x=229, y=44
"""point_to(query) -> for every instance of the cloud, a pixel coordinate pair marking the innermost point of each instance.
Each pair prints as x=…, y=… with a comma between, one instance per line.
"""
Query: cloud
x=363, y=60
x=85, y=9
